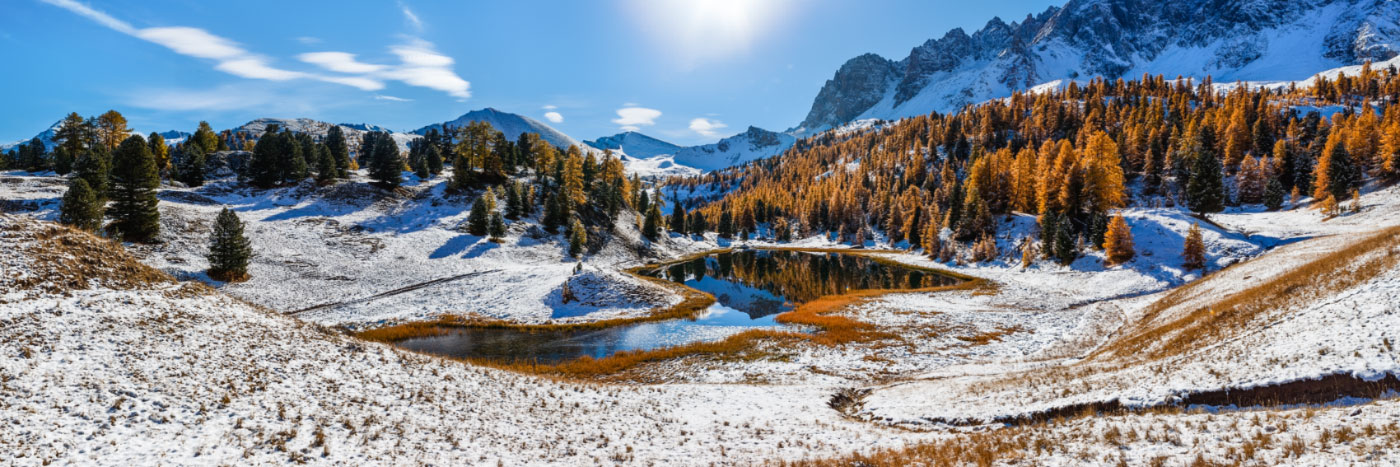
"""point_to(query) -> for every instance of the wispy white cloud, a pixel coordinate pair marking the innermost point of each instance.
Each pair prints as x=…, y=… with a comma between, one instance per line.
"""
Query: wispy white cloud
x=554, y=117
x=100, y=17
x=308, y=40
x=381, y=97
x=339, y=62
x=633, y=118
x=550, y=107
x=412, y=18
x=421, y=65
x=707, y=127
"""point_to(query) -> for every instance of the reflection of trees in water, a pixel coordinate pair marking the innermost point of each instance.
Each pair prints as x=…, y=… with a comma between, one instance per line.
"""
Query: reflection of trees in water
x=801, y=277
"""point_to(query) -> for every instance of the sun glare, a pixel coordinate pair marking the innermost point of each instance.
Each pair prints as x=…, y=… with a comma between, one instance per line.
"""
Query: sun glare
x=697, y=31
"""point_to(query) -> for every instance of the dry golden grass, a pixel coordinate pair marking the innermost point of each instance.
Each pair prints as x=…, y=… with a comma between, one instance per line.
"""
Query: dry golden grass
x=62, y=259
x=1321, y=277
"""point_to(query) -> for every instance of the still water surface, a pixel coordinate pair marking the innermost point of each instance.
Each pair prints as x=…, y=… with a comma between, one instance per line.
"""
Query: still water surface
x=751, y=287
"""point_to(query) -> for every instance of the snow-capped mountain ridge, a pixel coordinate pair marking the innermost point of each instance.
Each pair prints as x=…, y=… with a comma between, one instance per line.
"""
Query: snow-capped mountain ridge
x=754, y=143
x=512, y=125
x=1230, y=40
x=634, y=144
x=319, y=129
x=47, y=137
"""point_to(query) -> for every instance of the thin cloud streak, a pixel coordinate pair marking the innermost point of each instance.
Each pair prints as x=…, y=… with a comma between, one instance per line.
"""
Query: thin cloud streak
x=421, y=65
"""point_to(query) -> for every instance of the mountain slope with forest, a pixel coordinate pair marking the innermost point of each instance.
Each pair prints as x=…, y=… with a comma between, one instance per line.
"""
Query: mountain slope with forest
x=1229, y=40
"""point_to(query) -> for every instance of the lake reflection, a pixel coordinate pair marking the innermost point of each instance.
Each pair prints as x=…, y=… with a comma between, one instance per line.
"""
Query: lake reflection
x=751, y=287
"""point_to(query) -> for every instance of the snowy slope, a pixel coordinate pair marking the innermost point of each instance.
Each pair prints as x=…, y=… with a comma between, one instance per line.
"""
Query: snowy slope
x=634, y=144
x=319, y=129
x=756, y=143
x=1247, y=40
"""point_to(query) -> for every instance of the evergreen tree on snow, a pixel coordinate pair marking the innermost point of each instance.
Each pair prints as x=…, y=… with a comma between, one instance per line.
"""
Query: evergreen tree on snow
x=133, y=191
x=229, y=250
x=80, y=207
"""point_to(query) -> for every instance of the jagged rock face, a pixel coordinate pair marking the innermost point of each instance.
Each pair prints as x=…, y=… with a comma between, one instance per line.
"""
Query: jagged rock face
x=859, y=84
x=1232, y=39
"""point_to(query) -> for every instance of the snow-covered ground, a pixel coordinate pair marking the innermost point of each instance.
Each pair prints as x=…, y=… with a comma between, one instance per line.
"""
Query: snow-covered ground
x=197, y=374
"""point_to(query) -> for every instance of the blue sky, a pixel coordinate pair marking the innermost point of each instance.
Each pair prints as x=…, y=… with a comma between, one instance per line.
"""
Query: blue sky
x=688, y=72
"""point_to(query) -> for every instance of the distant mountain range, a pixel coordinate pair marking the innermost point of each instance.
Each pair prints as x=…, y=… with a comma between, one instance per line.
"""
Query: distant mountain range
x=46, y=136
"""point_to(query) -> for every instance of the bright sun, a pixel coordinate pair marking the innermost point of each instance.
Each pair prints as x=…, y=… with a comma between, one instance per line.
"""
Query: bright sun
x=705, y=30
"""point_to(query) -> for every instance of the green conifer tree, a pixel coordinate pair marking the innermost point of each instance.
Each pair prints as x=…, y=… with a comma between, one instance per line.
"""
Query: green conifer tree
x=497, y=229
x=340, y=151
x=190, y=170
x=386, y=167
x=677, y=221
x=80, y=207
x=133, y=191
x=1205, y=192
x=94, y=167
x=479, y=220
x=229, y=250
x=651, y=226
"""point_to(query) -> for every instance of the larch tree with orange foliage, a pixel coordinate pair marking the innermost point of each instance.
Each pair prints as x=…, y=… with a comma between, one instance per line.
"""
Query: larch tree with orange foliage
x=1118, y=241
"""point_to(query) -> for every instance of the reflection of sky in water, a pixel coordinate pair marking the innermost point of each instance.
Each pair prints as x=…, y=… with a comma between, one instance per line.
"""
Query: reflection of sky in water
x=740, y=306
x=716, y=322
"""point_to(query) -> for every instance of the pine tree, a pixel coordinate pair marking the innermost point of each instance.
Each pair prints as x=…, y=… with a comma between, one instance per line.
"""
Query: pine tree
x=1205, y=193
x=497, y=229
x=726, y=225
x=677, y=221
x=326, y=170
x=478, y=221
x=554, y=215
x=418, y=161
x=578, y=238
x=62, y=160
x=1118, y=241
x=134, y=184
x=434, y=159
x=294, y=157
x=229, y=250
x=1273, y=194
x=977, y=218
x=32, y=156
x=1193, y=252
x=262, y=169
x=191, y=166
x=1066, y=248
x=72, y=134
x=340, y=151
x=386, y=167
x=94, y=167
x=514, y=203
x=80, y=207
x=651, y=227
x=698, y=224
